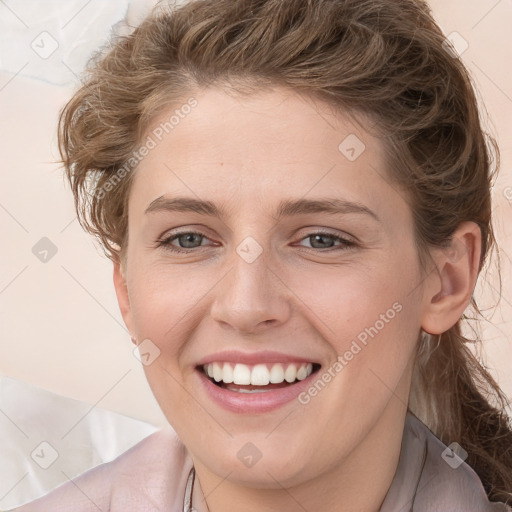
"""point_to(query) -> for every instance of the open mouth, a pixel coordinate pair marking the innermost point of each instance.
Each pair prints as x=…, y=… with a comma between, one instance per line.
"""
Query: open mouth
x=258, y=378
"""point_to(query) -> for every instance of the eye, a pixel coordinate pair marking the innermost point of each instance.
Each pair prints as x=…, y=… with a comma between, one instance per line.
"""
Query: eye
x=320, y=239
x=189, y=240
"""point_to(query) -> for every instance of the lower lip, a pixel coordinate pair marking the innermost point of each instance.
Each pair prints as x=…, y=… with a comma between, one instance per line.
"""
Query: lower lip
x=252, y=403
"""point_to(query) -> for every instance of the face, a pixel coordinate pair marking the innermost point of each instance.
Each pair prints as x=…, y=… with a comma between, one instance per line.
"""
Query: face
x=312, y=308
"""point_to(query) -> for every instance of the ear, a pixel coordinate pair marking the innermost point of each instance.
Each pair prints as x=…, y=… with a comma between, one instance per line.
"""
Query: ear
x=450, y=286
x=122, y=297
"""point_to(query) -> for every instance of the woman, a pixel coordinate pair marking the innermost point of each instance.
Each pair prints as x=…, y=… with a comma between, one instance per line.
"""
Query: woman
x=295, y=196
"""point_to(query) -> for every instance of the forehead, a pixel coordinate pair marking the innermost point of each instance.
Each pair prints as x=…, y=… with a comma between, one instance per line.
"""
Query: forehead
x=261, y=147
x=280, y=118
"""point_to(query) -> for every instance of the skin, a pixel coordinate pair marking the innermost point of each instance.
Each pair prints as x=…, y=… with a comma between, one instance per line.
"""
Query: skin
x=339, y=451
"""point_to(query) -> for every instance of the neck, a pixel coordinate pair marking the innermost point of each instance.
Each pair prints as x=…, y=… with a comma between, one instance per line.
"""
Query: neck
x=359, y=482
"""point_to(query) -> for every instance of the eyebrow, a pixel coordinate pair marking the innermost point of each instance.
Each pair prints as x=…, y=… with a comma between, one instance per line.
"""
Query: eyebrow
x=286, y=208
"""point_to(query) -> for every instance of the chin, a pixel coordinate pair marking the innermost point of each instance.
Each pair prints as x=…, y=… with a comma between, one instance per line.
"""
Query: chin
x=260, y=466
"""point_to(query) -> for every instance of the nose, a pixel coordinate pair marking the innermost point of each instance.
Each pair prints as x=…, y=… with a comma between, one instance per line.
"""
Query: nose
x=251, y=297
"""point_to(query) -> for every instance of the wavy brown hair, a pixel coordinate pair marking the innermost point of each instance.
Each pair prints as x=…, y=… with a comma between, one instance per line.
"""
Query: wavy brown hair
x=384, y=60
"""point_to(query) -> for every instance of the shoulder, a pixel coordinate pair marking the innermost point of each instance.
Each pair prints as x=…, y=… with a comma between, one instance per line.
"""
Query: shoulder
x=150, y=477
x=436, y=477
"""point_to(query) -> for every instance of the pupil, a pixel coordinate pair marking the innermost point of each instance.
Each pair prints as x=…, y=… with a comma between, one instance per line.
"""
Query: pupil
x=317, y=237
x=188, y=239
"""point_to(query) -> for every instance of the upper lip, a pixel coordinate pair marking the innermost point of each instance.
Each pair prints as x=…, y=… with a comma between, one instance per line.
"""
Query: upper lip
x=253, y=358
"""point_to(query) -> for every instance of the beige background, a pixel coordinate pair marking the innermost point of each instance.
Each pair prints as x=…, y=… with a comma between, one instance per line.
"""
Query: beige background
x=61, y=327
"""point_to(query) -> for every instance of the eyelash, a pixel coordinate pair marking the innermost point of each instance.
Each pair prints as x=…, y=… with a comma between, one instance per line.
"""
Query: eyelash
x=166, y=242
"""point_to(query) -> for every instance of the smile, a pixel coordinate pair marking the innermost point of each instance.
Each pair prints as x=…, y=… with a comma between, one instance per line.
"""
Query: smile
x=255, y=388
x=245, y=378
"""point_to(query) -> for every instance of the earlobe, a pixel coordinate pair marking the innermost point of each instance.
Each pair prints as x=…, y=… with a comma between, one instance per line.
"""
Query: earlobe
x=449, y=287
x=122, y=296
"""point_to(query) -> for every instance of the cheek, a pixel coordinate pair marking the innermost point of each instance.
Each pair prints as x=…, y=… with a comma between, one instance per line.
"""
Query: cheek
x=164, y=298
x=371, y=318
x=360, y=301
x=164, y=301
x=376, y=330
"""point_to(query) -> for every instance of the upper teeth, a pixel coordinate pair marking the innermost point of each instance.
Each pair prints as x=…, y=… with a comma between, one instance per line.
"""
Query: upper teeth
x=259, y=374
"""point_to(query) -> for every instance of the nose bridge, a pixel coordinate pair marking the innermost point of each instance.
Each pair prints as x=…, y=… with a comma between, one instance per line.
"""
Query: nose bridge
x=250, y=295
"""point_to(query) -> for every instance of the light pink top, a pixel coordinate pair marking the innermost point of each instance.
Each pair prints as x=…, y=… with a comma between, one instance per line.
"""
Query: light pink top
x=152, y=476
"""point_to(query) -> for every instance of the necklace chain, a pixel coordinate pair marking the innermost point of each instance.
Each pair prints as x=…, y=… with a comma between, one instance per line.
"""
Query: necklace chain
x=187, y=502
